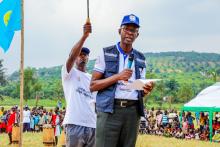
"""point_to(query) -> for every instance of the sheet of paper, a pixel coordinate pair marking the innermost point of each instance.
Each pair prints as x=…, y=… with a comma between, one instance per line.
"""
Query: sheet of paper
x=139, y=83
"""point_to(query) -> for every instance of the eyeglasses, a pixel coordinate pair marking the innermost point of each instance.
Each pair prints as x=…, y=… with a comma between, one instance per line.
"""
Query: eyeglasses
x=128, y=30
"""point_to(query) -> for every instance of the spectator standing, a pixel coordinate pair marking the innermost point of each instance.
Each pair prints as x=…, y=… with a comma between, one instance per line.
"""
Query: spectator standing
x=165, y=118
x=26, y=119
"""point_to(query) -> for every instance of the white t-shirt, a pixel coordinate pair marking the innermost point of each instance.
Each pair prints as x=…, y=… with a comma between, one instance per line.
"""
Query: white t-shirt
x=80, y=102
x=26, y=116
x=121, y=92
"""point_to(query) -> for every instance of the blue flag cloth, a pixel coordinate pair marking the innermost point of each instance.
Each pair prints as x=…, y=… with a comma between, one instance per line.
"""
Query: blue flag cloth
x=10, y=21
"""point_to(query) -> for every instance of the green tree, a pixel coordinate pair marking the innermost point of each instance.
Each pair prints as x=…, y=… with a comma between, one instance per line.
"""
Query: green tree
x=151, y=75
x=213, y=74
x=172, y=87
x=185, y=92
x=3, y=80
x=160, y=87
x=31, y=83
x=11, y=89
x=58, y=89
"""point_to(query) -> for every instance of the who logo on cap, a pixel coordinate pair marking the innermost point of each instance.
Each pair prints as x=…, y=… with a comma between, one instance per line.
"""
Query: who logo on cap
x=130, y=19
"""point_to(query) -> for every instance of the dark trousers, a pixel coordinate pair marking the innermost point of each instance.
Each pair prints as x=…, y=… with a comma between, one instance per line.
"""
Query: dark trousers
x=26, y=127
x=10, y=137
x=118, y=129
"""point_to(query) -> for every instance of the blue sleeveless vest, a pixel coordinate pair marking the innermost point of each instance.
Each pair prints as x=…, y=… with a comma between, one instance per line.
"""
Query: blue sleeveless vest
x=105, y=97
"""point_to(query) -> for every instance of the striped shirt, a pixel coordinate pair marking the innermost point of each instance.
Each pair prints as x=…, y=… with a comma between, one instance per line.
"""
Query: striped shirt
x=165, y=119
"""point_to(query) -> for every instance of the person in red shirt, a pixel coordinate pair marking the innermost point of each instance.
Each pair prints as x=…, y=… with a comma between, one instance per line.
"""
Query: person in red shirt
x=218, y=125
x=10, y=123
x=215, y=125
x=56, y=120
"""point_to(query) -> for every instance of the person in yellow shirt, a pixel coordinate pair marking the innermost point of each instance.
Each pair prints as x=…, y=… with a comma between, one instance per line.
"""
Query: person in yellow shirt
x=1, y=111
x=202, y=120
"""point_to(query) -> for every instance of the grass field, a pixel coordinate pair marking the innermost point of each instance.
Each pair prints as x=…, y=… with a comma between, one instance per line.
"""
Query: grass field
x=35, y=140
x=8, y=102
x=30, y=102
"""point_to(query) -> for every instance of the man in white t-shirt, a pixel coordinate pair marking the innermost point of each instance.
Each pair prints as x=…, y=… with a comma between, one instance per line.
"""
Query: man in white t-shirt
x=26, y=119
x=80, y=117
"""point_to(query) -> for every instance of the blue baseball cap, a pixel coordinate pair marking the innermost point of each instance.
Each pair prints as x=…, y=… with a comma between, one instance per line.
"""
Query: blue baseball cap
x=85, y=50
x=130, y=19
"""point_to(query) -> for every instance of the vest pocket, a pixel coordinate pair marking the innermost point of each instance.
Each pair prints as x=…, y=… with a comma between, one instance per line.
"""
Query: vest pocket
x=140, y=64
x=104, y=99
x=111, y=67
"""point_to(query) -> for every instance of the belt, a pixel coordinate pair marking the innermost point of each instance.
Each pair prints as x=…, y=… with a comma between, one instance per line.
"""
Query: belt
x=125, y=103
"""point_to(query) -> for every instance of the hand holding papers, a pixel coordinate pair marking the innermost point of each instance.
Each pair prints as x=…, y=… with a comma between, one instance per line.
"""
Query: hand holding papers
x=139, y=83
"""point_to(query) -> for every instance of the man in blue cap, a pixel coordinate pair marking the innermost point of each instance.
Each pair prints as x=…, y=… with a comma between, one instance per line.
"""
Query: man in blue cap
x=119, y=108
x=80, y=116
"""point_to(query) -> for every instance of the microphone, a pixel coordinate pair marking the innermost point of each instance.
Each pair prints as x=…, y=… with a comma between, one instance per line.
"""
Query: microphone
x=130, y=60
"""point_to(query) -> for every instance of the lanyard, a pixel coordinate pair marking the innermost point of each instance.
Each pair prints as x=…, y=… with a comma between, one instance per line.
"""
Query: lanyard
x=122, y=52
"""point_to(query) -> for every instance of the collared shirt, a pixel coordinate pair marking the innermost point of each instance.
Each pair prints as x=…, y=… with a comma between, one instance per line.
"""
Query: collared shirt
x=121, y=92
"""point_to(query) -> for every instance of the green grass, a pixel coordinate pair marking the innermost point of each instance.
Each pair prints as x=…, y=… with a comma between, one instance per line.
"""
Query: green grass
x=159, y=141
x=8, y=102
x=36, y=139
x=164, y=105
x=31, y=102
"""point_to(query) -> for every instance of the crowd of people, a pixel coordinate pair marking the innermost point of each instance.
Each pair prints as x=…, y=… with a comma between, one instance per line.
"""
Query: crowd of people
x=168, y=123
x=156, y=122
x=33, y=120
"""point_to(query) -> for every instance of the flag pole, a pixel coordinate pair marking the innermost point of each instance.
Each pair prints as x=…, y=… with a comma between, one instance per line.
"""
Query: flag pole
x=88, y=19
x=21, y=73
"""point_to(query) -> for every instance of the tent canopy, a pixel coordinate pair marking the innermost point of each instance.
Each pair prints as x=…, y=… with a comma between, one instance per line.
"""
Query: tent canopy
x=207, y=100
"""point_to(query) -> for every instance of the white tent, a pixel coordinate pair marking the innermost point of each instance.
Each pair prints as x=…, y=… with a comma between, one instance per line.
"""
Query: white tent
x=209, y=97
x=208, y=100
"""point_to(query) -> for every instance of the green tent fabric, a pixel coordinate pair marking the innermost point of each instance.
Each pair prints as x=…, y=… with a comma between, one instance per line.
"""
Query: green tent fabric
x=208, y=100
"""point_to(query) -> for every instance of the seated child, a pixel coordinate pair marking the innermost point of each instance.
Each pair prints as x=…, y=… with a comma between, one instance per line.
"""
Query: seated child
x=179, y=134
x=197, y=134
x=204, y=135
x=159, y=131
x=216, y=137
x=190, y=135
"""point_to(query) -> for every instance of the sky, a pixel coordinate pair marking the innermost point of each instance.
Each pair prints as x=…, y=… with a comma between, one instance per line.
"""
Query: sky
x=52, y=27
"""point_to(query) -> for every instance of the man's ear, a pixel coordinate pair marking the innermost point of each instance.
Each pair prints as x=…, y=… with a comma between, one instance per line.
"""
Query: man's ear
x=137, y=35
x=119, y=31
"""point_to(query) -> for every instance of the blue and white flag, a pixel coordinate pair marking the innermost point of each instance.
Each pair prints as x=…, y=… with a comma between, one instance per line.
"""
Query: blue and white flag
x=10, y=21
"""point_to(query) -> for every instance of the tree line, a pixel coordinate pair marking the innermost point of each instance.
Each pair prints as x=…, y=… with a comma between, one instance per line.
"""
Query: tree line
x=182, y=77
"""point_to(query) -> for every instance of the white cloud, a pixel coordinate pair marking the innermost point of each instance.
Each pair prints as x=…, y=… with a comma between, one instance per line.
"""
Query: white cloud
x=53, y=26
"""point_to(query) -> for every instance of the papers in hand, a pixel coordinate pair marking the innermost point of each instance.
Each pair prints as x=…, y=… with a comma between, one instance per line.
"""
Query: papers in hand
x=139, y=83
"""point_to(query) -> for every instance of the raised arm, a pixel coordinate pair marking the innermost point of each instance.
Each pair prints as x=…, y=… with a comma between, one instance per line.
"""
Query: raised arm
x=87, y=28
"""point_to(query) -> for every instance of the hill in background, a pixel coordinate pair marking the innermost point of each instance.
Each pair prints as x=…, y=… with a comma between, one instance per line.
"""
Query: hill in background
x=159, y=63
x=186, y=73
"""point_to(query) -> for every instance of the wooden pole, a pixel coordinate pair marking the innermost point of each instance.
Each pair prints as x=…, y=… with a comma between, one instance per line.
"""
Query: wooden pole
x=37, y=98
x=88, y=19
x=21, y=73
x=170, y=102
